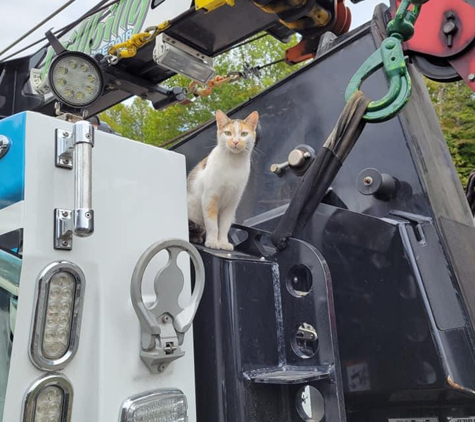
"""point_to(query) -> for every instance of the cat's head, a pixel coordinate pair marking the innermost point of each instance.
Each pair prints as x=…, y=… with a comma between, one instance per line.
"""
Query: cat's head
x=237, y=135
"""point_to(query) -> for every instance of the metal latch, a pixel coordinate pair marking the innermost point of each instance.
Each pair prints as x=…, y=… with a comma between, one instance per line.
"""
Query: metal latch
x=74, y=150
x=165, y=323
x=306, y=333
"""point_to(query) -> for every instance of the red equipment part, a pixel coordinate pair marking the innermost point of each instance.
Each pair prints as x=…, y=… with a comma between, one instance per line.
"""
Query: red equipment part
x=443, y=42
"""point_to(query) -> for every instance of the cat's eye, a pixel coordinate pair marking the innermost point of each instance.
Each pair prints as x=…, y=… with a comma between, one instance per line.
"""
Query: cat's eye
x=244, y=133
x=227, y=133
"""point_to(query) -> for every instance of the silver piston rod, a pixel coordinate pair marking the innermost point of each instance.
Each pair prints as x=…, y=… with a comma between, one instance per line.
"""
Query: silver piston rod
x=83, y=213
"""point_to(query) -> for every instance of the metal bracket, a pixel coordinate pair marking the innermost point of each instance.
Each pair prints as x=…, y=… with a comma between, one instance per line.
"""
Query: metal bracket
x=416, y=221
x=160, y=350
x=63, y=229
x=165, y=323
x=64, y=149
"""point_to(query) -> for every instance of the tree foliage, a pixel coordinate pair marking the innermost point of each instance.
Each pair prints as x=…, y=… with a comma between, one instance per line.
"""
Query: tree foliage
x=455, y=106
x=454, y=103
x=141, y=122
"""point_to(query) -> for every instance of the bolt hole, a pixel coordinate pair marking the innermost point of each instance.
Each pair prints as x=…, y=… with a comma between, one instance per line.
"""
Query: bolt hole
x=299, y=280
x=310, y=404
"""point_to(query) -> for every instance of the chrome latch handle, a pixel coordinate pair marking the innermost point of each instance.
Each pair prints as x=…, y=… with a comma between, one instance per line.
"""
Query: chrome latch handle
x=83, y=212
x=74, y=150
x=165, y=323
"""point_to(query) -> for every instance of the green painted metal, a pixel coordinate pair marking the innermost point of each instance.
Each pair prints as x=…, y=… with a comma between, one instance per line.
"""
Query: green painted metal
x=390, y=58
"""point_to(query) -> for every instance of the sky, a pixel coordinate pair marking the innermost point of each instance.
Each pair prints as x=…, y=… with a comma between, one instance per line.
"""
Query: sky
x=17, y=17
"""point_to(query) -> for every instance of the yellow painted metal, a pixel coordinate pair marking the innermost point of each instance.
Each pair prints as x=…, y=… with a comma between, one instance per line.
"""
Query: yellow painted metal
x=210, y=5
x=128, y=49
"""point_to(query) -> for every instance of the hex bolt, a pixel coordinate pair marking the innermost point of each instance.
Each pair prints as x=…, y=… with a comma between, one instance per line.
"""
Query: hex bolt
x=368, y=181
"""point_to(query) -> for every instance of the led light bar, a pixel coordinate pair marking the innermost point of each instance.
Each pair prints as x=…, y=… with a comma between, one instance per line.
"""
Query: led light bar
x=156, y=405
x=49, y=399
x=56, y=321
x=178, y=57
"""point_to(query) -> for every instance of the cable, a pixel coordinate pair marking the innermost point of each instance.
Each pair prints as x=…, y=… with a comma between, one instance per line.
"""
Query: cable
x=60, y=32
x=244, y=43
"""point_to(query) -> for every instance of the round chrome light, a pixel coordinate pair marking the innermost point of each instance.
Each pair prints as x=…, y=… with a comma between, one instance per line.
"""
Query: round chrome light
x=75, y=79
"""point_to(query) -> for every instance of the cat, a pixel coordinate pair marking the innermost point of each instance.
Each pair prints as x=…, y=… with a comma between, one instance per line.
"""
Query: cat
x=216, y=184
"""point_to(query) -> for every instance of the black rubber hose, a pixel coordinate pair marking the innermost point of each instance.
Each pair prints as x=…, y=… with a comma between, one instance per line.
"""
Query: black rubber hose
x=323, y=170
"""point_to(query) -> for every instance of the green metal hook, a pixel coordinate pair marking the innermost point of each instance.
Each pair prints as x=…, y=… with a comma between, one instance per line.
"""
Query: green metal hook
x=389, y=57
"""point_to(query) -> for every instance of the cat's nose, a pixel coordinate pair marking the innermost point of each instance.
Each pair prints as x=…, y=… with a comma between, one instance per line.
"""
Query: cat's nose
x=235, y=143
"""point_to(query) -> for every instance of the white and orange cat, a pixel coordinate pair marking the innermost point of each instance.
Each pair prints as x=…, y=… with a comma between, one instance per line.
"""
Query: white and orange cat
x=216, y=184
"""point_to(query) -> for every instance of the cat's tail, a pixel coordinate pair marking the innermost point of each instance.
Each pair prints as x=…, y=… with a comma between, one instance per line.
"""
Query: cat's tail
x=197, y=232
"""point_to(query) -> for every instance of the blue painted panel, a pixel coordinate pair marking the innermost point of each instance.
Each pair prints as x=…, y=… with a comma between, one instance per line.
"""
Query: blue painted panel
x=12, y=165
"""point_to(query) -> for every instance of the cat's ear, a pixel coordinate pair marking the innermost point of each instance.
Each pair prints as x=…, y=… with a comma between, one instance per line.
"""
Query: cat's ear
x=252, y=119
x=221, y=119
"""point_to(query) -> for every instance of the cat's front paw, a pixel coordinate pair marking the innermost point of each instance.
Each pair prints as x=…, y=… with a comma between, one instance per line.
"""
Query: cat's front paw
x=212, y=244
x=226, y=246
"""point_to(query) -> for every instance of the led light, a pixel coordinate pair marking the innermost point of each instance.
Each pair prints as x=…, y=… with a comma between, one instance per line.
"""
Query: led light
x=57, y=318
x=49, y=404
x=182, y=59
x=58, y=315
x=49, y=399
x=157, y=405
x=69, y=73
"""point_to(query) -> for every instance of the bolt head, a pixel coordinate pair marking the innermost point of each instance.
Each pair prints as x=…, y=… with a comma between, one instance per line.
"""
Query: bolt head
x=368, y=181
x=65, y=134
x=471, y=77
x=64, y=213
x=64, y=243
x=390, y=45
x=161, y=368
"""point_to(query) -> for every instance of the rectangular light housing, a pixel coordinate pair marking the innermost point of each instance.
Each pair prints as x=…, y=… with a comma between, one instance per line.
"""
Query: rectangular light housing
x=156, y=405
x=178, y=57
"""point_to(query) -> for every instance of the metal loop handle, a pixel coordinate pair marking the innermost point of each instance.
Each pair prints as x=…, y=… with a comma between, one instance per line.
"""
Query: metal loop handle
x=167, y=287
